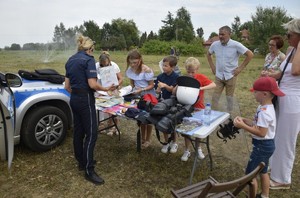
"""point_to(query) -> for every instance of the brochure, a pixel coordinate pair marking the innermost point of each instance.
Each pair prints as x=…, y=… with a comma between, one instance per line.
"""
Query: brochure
x=124, y=91
x=108, y=76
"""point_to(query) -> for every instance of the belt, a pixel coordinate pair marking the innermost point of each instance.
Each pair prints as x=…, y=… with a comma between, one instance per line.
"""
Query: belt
x=82, y=91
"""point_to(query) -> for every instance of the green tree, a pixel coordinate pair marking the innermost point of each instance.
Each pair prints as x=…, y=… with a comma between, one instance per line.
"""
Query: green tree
x=236, y=28
x=184, y=27
x=213, y=34
x=143, y=39
x=152, y=36
x=127, y=30
x=65, y=38
x=265, y=23
x=167, y=31
x=15, y=46
x=200, y=32
x=92, y=30
x=179, y=28
x=120, y=34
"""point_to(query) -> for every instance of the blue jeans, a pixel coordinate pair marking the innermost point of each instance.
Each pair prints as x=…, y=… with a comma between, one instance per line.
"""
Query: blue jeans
x=262, y=151
x=85, y=128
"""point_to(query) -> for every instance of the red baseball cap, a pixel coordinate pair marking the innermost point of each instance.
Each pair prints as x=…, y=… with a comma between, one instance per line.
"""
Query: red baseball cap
x=267, y=84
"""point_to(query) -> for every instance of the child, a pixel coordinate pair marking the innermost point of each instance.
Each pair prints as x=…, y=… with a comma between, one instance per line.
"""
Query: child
x=104, y=61
x=192, y=66
x=164, y=85
x=141, y=80
x=262, y=129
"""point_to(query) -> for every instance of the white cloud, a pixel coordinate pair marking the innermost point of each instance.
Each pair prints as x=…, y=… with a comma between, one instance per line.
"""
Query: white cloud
x=24, y=21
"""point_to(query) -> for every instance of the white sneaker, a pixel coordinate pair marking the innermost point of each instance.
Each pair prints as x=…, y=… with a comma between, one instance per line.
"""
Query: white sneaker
x=173, y=147
x=200, y=154
x=185, y=156
x=165, y=148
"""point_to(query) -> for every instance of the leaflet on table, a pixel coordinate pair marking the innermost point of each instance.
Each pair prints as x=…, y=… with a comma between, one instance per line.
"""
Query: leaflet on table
x=115, y=110
x=191, y=124
x=121, y=92
x=108, y=101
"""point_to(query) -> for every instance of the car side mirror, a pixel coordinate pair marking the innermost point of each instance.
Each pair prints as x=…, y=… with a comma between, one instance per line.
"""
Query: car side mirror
x=13, y=80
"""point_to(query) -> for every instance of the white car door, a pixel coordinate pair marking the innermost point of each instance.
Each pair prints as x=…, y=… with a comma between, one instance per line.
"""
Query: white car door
x=6, y=135
x=7, y=117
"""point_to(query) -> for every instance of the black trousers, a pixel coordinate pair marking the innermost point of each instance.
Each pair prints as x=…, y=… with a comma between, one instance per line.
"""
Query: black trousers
x=85, y=128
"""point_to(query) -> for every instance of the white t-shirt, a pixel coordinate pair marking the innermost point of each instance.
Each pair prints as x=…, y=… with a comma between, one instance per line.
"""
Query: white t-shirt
x=265, y=117
x=113, y=64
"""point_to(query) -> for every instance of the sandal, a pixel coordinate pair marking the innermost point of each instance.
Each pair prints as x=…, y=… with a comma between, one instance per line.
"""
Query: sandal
x=277, y=186
x=145, y=145
x=113, y=131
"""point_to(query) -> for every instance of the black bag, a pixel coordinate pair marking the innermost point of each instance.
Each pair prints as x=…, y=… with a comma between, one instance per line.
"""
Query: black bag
x=275, y=98
x=43, y=74
x=274, y=101
x=227, y=131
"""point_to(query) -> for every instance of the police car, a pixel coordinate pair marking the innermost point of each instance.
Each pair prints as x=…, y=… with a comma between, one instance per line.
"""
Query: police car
x=34, y=112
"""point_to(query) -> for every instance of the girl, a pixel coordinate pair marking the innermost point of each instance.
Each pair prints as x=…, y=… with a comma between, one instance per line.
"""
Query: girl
x=141, y=79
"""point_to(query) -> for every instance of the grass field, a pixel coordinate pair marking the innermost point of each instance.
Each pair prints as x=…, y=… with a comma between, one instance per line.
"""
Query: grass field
x=127, y=173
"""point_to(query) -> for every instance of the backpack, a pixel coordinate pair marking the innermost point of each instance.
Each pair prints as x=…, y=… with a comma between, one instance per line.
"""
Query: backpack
x=147, y=102
x=50, y=75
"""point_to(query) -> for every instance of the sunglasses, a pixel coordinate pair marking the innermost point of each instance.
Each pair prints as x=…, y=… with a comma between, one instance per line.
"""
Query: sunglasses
x=288, y=35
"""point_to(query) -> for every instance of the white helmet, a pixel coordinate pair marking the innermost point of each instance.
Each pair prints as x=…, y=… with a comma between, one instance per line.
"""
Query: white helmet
x=188, y=90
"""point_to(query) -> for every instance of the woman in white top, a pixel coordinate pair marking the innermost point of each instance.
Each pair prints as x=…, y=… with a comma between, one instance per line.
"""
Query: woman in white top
x=288, y=112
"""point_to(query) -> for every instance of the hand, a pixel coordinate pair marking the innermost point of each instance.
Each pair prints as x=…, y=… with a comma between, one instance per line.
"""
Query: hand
x=264, y=73
x=238, y=121
x=161, y=85
x=111, y=88
x=237, y=71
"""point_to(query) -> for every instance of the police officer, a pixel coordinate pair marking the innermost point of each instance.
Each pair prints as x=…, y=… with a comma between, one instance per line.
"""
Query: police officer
x=81, y=82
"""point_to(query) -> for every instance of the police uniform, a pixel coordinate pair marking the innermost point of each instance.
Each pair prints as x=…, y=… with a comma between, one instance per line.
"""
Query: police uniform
x=79, y=68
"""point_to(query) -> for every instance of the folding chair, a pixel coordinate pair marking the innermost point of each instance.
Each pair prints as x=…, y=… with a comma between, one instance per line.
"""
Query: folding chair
x=212, y=188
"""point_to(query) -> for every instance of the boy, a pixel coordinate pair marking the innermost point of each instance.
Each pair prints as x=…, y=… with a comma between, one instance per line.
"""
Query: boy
x=164, y=85
x=192, y=66
x=262, y=129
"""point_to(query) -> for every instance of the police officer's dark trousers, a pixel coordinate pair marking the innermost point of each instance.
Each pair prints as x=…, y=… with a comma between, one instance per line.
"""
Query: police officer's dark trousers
x=85, y=128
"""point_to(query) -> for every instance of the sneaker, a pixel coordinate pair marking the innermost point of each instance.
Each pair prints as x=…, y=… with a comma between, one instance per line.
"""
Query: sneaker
x=200, y=154
x=165, y=148
x=185, y=156
x=173, y=147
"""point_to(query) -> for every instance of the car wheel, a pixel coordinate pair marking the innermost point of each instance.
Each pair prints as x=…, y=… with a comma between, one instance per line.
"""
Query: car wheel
x=45, y=127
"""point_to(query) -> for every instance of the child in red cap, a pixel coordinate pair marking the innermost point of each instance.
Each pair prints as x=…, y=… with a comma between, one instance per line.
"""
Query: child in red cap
x=262, y=129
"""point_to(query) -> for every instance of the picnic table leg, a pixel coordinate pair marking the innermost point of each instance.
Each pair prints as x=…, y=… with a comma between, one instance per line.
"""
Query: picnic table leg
x=209, y=153
x=195, y=160
x=138, y=137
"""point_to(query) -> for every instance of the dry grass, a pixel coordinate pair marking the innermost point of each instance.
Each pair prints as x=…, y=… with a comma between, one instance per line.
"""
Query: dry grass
x=126, y=172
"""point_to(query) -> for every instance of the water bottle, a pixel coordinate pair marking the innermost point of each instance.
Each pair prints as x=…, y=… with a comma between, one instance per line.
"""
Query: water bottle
x=207, y=112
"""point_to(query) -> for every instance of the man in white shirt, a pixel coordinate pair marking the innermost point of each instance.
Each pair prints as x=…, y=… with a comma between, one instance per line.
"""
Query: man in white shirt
x=226, y=68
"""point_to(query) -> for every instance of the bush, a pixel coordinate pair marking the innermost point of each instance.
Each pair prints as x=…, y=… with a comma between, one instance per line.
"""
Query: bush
x=157, y=47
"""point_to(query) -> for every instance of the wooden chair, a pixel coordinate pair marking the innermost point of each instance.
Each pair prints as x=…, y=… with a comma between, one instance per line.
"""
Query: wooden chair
x=212, y=188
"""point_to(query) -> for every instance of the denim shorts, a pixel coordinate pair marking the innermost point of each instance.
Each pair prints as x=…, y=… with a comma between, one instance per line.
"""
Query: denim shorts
x=262, y=151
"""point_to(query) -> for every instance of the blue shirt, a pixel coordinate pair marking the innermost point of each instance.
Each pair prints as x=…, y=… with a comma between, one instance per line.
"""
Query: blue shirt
x=170, y=80
x=79, y=68
x=227, y=57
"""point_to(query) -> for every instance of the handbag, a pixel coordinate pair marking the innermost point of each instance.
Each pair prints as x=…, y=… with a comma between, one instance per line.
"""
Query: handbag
x=275, y=98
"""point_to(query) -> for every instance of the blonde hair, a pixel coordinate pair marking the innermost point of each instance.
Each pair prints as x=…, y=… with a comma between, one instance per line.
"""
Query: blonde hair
x=84, y=42
x=293, y=26
x=192, y=63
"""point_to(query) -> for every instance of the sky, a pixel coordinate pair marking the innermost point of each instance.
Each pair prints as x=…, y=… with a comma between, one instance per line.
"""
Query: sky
x=33, y=21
